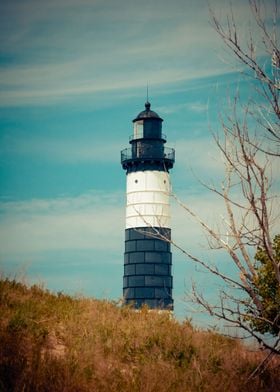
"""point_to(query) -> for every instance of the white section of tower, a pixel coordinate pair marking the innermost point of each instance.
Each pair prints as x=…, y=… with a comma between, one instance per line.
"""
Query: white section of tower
x=148, y=194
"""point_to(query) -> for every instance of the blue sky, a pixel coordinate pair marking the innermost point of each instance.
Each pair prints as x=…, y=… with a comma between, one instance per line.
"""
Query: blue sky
x=73, y=75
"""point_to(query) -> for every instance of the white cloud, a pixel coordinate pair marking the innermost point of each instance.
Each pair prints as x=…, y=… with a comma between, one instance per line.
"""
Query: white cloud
x=196, y=107
x=186, y=231
x=27, y=89
x=199, y=157
x=90, y=221
x=90, y=47
x=200, y=161
x=93, y=222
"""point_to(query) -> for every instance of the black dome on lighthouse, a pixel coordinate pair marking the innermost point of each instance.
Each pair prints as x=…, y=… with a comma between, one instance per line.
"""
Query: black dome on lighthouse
x=147, y=113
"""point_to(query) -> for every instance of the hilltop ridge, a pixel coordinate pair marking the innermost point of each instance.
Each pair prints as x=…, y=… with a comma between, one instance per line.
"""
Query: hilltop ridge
x=54, y=342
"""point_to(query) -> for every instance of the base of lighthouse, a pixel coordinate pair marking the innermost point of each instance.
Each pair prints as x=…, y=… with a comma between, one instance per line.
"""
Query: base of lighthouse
x=147, y=268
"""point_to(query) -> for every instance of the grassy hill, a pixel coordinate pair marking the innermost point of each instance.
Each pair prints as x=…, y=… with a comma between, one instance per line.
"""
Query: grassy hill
x=53, y=342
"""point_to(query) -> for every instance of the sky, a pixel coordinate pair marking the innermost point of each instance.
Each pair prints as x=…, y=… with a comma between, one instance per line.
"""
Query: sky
x=73, y=76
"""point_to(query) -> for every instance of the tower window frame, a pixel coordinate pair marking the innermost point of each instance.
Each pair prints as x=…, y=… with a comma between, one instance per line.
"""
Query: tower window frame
x=138, y=129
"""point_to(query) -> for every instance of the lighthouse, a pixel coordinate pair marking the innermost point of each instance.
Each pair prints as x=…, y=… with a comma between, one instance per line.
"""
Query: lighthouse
x=147, y=258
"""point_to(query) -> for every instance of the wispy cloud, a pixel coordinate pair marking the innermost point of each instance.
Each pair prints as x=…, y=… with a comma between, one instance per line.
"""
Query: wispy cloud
x=26, y=88
x=199, y=157
x=196, y=107
x=93, y=221
x=57, y=52
x=84, y=222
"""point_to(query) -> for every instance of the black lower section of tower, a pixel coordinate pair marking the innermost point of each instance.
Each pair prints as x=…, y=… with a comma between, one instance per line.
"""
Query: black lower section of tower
x=147, y=268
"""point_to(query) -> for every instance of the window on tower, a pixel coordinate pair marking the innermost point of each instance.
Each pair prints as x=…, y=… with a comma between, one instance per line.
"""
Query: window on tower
x=138, y=130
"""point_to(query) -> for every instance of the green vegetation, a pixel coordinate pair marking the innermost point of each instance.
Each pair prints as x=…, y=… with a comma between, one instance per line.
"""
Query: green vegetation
x=55, y=343
x=267, y=289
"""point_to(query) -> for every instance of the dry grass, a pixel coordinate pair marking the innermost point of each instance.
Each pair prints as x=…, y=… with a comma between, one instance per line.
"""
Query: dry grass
x=57, y=343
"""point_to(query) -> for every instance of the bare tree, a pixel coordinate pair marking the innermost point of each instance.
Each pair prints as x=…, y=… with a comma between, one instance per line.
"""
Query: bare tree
x=249, y=143
x=246, y=227
x=259, y=57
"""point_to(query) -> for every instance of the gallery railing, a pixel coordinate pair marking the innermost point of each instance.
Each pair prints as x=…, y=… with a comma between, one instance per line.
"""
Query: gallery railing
x=165, y=154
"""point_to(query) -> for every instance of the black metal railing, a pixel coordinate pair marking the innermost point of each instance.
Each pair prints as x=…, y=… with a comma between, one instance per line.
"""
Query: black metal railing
x=165, y=154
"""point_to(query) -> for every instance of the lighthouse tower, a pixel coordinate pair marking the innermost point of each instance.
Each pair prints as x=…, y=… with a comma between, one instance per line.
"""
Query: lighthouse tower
x=147, y=259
